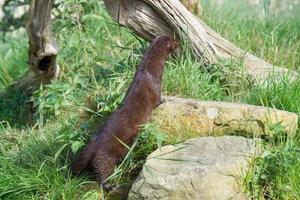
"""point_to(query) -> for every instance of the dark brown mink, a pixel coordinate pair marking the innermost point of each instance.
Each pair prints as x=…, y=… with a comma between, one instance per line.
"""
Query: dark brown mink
x=104, y=150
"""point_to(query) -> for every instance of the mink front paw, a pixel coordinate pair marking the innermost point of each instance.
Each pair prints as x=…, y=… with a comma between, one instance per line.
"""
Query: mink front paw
x=107, y=187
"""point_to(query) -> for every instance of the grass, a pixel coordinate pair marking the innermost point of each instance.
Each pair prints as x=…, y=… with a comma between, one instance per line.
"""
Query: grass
x=98, y=59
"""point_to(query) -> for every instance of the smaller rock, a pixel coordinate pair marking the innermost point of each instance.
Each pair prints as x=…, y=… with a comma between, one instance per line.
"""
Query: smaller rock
x=202, y=168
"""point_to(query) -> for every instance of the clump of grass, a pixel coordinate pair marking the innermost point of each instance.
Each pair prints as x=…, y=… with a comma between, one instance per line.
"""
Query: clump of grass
x=275, y=38
x=281, y=95
x=274, y=173
x=13, y=57
x=187, y=77
x=35, y=170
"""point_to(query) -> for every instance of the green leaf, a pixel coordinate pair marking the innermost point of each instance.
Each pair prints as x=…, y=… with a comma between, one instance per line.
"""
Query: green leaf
x=59, y=151
x=76, y=145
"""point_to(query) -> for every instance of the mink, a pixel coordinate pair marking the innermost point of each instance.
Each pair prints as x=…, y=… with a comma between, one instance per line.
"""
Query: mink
x=105, y=149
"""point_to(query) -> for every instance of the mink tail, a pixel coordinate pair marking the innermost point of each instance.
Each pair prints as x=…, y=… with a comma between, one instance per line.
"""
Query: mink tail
x=84, y=158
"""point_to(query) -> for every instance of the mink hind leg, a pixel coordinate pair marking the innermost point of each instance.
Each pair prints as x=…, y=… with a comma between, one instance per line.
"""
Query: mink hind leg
x=160, y=100
x=103, y=166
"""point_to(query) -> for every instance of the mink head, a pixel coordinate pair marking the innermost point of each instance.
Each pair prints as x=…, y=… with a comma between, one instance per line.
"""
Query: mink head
x=164, y=45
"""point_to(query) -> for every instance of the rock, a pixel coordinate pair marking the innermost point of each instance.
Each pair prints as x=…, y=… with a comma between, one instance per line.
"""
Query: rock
x=201, y=168
x=186, y=118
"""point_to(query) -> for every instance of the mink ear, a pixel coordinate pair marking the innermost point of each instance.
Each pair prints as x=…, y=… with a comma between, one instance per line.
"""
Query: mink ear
x=153, y=39
x=169, y=45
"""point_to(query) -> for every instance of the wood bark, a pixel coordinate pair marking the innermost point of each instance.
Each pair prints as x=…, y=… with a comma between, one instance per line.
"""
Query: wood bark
x=150, y=18
x=42, y=47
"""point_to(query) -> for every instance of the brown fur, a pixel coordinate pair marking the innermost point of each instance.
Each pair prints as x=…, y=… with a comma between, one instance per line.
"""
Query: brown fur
x=104, y=149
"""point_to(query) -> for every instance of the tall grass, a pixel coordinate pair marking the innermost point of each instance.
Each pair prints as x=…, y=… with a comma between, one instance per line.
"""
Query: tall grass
x=98, y=59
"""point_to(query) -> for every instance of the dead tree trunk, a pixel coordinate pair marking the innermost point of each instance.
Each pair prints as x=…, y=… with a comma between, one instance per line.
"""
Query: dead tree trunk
x=42, y=47
x=150, y=18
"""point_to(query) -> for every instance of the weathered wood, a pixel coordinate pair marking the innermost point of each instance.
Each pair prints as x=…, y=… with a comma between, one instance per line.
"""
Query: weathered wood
x=42, y=47
x=150, y=18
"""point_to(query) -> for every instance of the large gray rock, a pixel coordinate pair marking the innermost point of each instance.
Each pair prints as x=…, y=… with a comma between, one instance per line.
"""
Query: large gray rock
x=188, y=118
x=202, y=168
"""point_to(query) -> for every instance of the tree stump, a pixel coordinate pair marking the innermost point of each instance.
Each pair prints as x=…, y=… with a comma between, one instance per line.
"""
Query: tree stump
x=42, y=47
x=151, y=18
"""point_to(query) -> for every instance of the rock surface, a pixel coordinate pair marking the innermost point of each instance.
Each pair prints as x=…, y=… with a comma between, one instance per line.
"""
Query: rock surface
x=201, y=168
x=187, y=118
